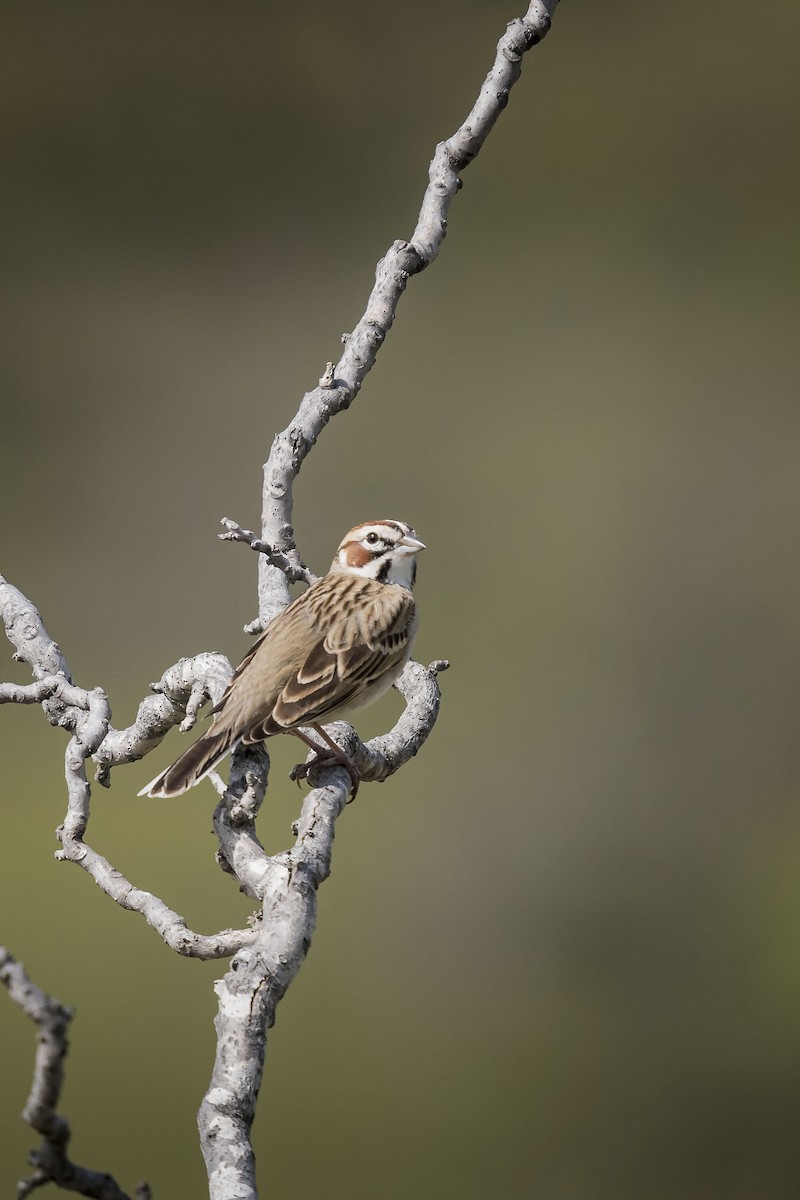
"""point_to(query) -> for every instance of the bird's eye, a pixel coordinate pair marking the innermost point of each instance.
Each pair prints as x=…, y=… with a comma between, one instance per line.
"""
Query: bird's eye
x=371, y=538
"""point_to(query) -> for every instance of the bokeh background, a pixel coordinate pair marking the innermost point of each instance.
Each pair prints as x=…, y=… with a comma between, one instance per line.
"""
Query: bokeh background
x=559, y=956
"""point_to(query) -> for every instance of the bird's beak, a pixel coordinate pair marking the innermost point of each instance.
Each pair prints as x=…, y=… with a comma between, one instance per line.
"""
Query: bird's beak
x=410, y=544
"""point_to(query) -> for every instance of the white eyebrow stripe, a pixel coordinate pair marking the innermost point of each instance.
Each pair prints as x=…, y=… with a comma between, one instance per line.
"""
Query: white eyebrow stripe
x=380, y=531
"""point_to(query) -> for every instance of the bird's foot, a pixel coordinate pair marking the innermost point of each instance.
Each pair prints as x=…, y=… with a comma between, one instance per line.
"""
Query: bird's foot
x=328, y=758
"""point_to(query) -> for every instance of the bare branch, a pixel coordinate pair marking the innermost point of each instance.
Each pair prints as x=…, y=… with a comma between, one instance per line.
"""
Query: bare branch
x=181, y=692
x=26, y=632
x=381, y=756
x=45, y=689
x=52, y=1165
x=287, y=560
x=167, y=923
x=338, y=388
x=86, y=713
x=287, y=884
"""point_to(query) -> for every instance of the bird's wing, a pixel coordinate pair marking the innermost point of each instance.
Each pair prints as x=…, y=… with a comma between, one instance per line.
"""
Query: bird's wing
x=275, y=657
x=370, y=637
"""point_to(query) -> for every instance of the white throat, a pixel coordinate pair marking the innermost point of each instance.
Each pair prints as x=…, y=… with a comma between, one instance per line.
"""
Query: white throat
x=402, y=570
x=398, y=568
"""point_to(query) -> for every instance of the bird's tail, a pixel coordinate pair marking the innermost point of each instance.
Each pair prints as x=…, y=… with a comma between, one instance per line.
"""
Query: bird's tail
x=192, y=766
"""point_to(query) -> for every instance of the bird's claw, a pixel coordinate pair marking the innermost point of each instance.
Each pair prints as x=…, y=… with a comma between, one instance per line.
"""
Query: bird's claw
x=329, y=759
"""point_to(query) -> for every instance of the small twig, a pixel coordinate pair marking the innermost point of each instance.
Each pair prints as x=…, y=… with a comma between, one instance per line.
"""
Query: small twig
x=288, y=561
x=46, y=688
x=328, y=377
x=51, y=1163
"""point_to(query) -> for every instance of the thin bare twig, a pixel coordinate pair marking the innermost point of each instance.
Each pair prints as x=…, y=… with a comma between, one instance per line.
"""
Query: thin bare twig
x=288, y=560
x=50, y=1160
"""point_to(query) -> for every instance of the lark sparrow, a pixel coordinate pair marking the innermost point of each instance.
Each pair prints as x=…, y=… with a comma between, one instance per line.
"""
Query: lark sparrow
x=338, y=646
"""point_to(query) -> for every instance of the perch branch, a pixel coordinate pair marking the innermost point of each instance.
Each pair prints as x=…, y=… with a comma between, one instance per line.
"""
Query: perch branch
x=287, y=885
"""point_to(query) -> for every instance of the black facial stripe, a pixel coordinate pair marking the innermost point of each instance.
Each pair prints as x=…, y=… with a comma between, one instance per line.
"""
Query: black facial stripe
x=383, y=571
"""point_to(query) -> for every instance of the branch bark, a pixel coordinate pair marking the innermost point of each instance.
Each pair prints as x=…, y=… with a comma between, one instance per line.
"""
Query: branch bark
x=50, y=1161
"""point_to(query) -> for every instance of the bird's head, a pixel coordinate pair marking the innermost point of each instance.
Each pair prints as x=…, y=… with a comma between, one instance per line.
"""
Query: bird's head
x=381, y=550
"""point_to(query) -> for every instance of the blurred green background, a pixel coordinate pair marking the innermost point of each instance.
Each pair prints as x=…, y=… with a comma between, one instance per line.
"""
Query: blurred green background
x=559, y=956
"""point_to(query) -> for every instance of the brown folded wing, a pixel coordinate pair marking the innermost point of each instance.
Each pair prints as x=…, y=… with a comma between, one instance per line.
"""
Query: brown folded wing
x=282, y=683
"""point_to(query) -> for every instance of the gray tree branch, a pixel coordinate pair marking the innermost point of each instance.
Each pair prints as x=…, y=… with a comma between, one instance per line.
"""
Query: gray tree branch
x=289, y=561
x=340, y=384
x=50, y=1161
x=85, y=714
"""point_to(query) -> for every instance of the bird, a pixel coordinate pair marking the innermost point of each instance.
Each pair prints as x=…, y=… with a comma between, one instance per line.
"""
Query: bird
x=337, y=647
